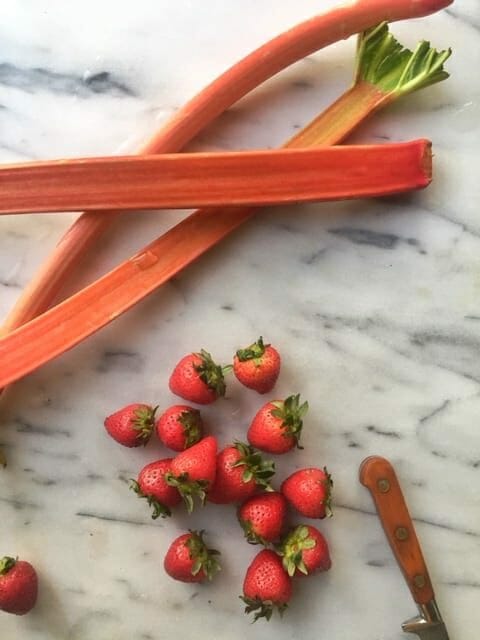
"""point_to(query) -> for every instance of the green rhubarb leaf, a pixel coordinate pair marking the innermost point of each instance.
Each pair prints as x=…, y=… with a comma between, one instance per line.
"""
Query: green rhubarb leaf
x=387, y=64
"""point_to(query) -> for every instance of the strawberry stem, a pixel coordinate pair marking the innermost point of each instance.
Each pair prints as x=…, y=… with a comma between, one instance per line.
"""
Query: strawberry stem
x=192, y=426
x=7, y=563
x=291, y=412
x=188, y=489
x=262, y=608
x=256, y=466
x=211, y=373
x=203, y=557
x=328, y=497
x=144, y=422
x=292, y=549
x=255, y=350
x=159, y=509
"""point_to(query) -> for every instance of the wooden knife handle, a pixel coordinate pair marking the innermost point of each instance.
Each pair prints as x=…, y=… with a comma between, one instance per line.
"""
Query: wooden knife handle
x=378, y=475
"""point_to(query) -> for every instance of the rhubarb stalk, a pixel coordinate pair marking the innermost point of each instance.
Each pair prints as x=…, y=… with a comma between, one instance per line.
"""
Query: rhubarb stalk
x=266, y=61
x=82, y=314
x=184, y=181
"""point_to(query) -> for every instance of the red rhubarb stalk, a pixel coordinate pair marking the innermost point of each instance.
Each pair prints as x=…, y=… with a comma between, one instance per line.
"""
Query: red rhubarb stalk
x=386, y=167
x=184, y=181
x=236, y=82
x=185, y=242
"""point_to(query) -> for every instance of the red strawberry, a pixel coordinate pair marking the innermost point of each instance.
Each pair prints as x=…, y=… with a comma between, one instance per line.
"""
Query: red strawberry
x=193, y=471
x=310, y=492
x=240, y=469
x=305, y=551
x=132, y=425
x=266, y=586
x=18, y=586
x=188, y=559
x=262, y=517
x=257, y=367
x=179, y=427
x=152, y=485
x=277, y=425
x=198, y=378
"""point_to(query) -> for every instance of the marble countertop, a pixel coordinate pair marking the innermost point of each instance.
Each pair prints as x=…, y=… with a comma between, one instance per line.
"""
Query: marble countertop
x=375, y=306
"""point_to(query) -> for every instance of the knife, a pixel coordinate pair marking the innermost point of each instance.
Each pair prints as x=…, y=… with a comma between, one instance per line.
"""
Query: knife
x=378, y=475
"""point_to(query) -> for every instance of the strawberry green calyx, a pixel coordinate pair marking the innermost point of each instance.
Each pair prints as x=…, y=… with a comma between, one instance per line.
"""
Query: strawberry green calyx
x=250, y=535
x=262, y=608
x=328, y=484
x=291, y=412
x=203, y=557
x=211, y=373
x=394, y=69
x=192, y=426
x=7, y=563
x=158, y=508
x=188, y=489
x=144, y=422
x=292, y=549
x=254, y=352
x=256, y=467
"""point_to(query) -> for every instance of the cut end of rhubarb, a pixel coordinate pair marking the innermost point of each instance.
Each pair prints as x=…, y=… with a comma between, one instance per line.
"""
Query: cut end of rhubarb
x=427, y=162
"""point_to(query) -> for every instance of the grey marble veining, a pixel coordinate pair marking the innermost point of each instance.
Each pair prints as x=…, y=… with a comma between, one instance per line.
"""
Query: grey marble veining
x=375, y=306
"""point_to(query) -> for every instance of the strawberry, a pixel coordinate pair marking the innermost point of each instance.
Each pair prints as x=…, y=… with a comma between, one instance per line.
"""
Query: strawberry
x=240, y=470
x=309, y=491
x=277, y=425
x=257, y=367
x=132, y=425
x=18, y=586
x=193, y=471
x=179, y=427
x=304, y=551
x=152, y=485
x=262, y=517
x=188, y=559
x=266, y=586
x=198, y=378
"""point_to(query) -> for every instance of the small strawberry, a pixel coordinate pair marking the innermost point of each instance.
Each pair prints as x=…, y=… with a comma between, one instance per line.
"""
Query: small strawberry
x=240, y=470
x=309, y=491
x=193, y=471
x=188, y=559
x=262, y=517
x=152, y=485
x=304, y=551
x=198, y=378
x=179, y=427
x=257, y=367
x=18, y=586
x=132, y=425
x=266, y=586
x=277, y=425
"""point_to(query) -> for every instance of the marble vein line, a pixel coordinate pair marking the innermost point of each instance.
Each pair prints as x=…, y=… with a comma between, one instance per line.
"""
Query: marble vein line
x=362, y=325
x=36, y=78
x=431, y=523
x=110, y=518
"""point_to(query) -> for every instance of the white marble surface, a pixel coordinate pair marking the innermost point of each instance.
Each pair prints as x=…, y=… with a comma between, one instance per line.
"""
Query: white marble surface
x=375, y=306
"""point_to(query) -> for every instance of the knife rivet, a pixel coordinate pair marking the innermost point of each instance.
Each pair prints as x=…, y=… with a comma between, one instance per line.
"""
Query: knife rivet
x=419, y=581
x=383, y=485
x=401, y=533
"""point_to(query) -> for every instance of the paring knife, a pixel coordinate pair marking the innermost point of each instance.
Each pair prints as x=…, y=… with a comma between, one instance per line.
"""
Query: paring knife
x=378, y=475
